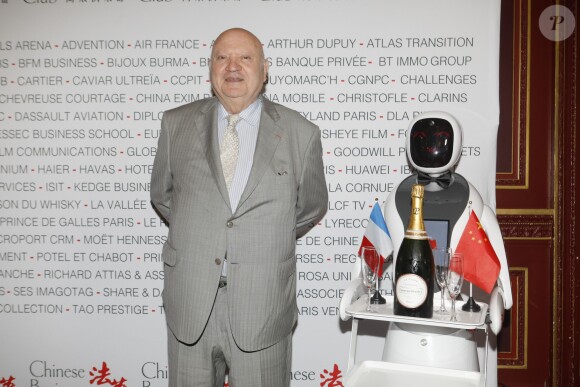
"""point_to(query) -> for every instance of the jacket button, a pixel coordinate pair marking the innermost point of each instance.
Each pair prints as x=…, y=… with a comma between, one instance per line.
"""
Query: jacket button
x=230, y=224
x=218, y=261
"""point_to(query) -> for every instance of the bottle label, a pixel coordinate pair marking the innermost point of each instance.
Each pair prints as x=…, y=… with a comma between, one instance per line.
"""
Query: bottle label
x=411, y=290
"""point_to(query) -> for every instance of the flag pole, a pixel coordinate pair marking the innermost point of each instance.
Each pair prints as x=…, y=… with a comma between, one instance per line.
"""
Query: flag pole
x=377, y=298
x=471, y=305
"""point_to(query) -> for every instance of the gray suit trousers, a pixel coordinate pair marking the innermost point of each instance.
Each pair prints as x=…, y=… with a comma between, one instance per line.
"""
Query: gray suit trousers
x=205, y=363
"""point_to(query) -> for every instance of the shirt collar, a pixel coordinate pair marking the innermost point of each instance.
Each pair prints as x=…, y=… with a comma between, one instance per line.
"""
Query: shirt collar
x=249, y=114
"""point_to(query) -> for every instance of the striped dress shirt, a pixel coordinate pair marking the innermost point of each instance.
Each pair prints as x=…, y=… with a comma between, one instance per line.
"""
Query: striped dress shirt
x=247, y=128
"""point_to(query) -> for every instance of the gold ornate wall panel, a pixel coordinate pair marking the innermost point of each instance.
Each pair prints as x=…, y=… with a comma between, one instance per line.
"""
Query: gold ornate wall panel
x=522, y=226
x=536, y=199
x=513, y=341
x=512, y=161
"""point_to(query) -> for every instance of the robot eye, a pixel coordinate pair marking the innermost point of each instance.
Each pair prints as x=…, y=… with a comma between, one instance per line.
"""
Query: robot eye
x=419, y=135
x=442, y=134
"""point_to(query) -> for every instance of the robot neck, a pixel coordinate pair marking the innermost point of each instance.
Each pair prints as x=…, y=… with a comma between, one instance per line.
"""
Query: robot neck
x=435, y=181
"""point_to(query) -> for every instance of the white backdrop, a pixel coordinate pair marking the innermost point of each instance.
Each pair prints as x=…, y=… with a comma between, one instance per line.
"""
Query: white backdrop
x=82, y=88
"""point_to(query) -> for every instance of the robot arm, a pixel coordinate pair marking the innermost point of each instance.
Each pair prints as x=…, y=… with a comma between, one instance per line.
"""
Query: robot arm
x=353, y=291
x=491, y=227
x=501, y=296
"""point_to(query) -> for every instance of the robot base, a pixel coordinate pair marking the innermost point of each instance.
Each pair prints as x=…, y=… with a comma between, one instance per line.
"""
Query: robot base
x=431, y=346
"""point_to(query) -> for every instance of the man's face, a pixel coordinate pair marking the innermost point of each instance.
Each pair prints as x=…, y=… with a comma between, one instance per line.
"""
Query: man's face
x=238, y=69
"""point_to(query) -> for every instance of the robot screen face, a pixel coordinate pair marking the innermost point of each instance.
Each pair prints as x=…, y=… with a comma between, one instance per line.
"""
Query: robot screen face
x=431, y=142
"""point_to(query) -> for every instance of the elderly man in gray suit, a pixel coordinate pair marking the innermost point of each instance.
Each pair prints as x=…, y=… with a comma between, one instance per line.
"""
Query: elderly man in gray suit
x=237, y=178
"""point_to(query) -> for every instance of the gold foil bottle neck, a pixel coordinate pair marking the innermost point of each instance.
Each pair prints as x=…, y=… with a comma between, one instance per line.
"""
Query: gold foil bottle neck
x=417, y=191
x=416, y=227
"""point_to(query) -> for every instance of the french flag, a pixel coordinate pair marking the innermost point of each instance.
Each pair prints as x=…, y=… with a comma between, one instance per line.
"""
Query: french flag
x=377, y=235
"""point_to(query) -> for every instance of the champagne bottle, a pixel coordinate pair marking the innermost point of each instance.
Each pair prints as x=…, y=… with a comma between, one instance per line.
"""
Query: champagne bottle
x=414, y=269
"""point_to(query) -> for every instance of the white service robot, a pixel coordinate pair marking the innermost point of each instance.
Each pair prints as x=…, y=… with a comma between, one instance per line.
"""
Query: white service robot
x=434, y=145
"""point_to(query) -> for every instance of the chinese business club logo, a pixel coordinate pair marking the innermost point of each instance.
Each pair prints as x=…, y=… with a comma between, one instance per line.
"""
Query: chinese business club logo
x=8, y=382
x=331, y=379
x=102, y=377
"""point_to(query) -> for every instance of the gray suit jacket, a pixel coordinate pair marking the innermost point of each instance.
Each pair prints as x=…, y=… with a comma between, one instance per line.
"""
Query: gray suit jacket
x=285, y=196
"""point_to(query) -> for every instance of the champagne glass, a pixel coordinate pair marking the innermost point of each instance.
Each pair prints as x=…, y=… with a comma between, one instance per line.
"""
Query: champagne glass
x=370, y=268
x=441, y=256
x=454, y=280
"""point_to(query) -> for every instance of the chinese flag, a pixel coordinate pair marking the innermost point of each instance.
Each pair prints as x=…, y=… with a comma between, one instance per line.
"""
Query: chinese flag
x=480, y=264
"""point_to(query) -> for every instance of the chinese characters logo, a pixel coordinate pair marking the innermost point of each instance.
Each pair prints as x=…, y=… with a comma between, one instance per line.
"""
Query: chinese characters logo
x=102, y=377
x=8, y=382
x=330, y=379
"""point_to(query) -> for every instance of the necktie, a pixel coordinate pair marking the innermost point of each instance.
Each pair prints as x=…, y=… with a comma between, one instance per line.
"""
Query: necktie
x=230, y=148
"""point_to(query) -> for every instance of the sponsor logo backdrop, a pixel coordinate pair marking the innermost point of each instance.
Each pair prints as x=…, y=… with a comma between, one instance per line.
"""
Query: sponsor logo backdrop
x=83, y=85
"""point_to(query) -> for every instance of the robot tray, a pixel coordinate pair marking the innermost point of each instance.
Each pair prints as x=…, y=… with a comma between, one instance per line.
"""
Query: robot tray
x=465, y=320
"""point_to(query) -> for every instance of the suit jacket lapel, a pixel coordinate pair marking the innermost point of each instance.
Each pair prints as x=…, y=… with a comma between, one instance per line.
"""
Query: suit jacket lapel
x=269, y=136
x=207, y=127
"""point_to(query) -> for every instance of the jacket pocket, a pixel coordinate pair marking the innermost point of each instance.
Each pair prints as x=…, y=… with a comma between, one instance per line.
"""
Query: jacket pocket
x=169, y=255
x=287, y=268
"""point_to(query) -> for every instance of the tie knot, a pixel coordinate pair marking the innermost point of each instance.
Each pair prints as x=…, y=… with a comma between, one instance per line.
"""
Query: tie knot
x=233, y=119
